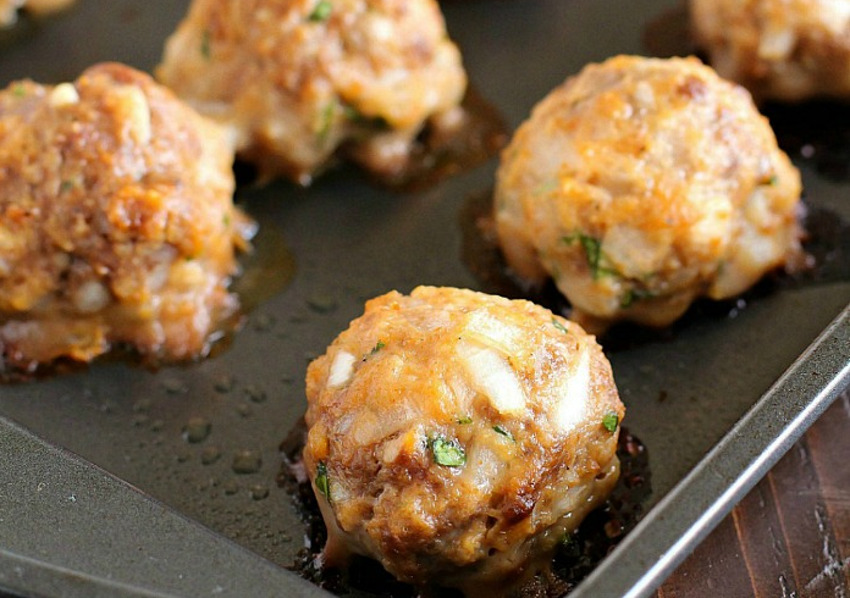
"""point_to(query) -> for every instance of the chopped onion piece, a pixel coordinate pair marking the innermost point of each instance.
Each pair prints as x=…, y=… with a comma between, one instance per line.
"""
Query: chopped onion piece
x=572, y=405
x=342, y=369
x=492, y=375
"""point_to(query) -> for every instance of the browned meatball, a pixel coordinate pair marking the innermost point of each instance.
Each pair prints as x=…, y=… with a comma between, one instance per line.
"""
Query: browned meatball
x=781, y=49
x=456, y=436
x=641, y=184
x=116, y=220
x=9, y=8
x=296, y=79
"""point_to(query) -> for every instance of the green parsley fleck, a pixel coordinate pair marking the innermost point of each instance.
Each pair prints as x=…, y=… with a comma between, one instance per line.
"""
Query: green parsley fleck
x=773, y=180
x=353, y=115
x=206, y=48
x=557, y=324
x=19, y=90
x=570, y=546
x=322, y=482
x=326, y=118
x=66, y=186
x=592, y=251
x=321, y=12
x=225, y=220
x=611, y=421
x=447, y=452
x=629, y=297
x=466, y=419
x=378, y=346
x=546, y=187
x=504, y=432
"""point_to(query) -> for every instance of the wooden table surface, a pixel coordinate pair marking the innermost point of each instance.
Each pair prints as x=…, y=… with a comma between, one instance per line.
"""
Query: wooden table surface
x=790, y=537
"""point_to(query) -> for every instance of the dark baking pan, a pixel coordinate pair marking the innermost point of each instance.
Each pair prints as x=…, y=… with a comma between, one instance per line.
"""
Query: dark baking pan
x=715, y=400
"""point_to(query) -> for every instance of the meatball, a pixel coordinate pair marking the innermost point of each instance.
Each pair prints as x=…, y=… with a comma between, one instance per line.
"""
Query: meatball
x=640, y=184
x=456, y=436
x=297, y=79
x=117, y=224
x=788, y=50
x=9, y=8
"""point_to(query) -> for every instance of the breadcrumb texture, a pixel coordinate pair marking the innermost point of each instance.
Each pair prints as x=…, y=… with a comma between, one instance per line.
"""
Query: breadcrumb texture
x=788, y=50
x=641, y=184
x=518, y=393
x=294, y=80
x=117, y=224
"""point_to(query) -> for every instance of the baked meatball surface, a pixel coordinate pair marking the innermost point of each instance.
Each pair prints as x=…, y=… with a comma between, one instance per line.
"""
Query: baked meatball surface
x=9, y=8
x=116, y=220
x=640, y=184
x=296, y=79
x=456, y=436
x=780, y=49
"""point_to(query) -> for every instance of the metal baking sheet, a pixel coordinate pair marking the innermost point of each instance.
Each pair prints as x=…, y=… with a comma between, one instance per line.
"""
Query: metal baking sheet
x=715, y=401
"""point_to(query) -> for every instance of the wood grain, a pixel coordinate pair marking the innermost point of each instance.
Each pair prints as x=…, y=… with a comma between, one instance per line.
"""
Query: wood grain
x=790, y=536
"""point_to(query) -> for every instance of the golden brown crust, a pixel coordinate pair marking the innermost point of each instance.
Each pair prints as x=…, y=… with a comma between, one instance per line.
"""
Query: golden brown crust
x=789, y=50
x=522, y=392
x=116, y=220
x=640, y=184
x=294, y=85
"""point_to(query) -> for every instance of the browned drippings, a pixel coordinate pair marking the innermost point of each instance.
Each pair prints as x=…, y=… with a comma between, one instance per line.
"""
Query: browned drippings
x=813, y=133
x=576, y=557
x=438, y=154
x=826, y=245
x=266, y=270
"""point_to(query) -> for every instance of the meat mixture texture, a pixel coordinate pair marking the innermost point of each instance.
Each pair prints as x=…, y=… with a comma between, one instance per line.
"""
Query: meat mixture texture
x=9, y=8
x=296, y=80
x=117, y=224
x=787, y=50
x=456, y=437
x=641, y=184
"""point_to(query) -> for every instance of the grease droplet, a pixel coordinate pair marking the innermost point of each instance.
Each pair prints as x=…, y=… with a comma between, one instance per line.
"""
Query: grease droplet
x=256, y=394
x=210, y=455
x=264, y=322
x=259, y=492
x=142, y=406
x=322, y=303
x=247, y=461
x=224, y=383
x=173, y=386
x=196, y=430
